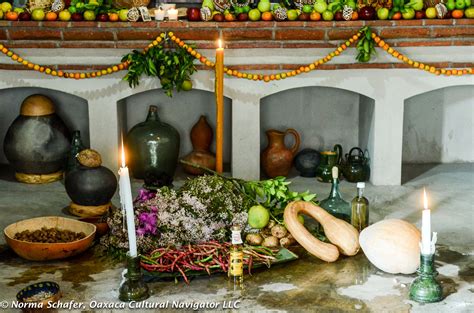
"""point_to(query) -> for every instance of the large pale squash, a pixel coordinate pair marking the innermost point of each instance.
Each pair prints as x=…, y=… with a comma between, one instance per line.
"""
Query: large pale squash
x=392, y=246
x=342, y=235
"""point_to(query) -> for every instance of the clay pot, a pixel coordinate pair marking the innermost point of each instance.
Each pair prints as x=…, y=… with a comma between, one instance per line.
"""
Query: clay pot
x=153, y=148
x=277, y=158
x=37, y=141
x=307, y=161
x=201, y=139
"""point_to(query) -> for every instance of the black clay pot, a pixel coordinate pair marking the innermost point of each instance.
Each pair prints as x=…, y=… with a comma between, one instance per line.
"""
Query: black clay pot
x=307, y=161
x=91, y=186
x=37, y=141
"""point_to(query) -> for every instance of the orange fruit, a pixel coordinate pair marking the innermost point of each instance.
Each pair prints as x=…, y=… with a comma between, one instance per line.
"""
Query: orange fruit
x=113, y=17
x=355, y=16
x=457, y=13
x=267, y=16
x=315, y=16
x=11, y=16
x=51, y=16
x=397, y=16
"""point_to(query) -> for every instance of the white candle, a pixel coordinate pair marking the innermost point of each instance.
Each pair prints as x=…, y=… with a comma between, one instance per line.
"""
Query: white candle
x=172, y=14
x=159, y=14
x=426, y=227
x=127, y=204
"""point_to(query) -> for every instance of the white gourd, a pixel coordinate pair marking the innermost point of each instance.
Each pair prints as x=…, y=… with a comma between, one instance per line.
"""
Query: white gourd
x=392, y=246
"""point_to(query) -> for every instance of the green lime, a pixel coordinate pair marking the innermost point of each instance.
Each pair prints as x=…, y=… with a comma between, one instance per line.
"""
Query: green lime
x=187, y=85
x=307, y=8
x=238, y=10
x=246, y=8
x=258, y=217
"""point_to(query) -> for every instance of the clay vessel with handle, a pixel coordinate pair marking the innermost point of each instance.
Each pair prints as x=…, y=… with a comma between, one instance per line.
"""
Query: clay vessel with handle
x=277, y=159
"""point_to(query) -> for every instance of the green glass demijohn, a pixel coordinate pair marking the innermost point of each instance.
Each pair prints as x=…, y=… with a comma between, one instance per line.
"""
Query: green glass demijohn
x=334, y=204
x=153, y=148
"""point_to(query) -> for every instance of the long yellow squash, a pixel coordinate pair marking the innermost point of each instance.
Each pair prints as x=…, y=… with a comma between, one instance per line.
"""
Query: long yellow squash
x=343, y=236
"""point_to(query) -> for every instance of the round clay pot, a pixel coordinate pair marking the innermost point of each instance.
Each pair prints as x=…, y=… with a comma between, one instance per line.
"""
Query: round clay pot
x=277, y=158
x=37, y=141
x=307, y=161
x=201, y=138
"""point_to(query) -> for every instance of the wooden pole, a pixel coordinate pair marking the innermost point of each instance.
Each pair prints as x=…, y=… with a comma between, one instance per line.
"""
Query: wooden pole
x=219, y=91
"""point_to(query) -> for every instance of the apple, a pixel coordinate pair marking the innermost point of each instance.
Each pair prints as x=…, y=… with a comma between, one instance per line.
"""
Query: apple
x=469, y=13
x=292, y=15
x=320, y=6
x=264, y=6
x=89, y=15
x=328, y=15
x=338, y=16
x=193, y=14
x=246, y=8
x=430, y=12
x=408, y=14
x=229, y=17
x=368, y=13
x=254, y=14
x=123, y=15
x=243, y=17
x=24, y=16
x=303, y=16
x=460, y=4
x=102, y=17
x=419, y=15
x=5, y=7
x=208, y=4
x=219, y=17
x=382, y=13
x=307, y=8
x=64, y=16
x=76, y=17
x=38, y=15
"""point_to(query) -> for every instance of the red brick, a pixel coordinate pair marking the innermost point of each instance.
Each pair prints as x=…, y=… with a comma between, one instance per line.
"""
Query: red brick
x=462, y=42
x=203, y=24
x=320, y=24
x=464, y=21
x=82, y=67
x=236, y=24
x=114, y=24
x=350, y=24
x=172, y=24
x=249, y=34
x=29, y=44
x=291, y=24
x=408, y=32
x=379, y=23
x=452, y=31
x=87, y=44
x=438, y=22
x=138, y=44
x=25, y=24
x=91, y=24
x=3, y=34
x=255, y=67
x=341, y=33
x=364, y=66
x=298, y=45
x=299, y=34
x=34, y=34
x=150, y=24
x=408, y=23
x=261, y=24
x=252, y=45
x=13, y=67
x=423, y=43
x=201, y=34
x=327, y=67
x=127, y=34
x=5, y=23
x=57, y=24
x=91, y=34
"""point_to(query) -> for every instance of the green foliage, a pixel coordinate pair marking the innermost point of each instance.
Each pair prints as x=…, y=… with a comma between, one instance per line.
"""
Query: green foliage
x=172, y=66
x=365, y=45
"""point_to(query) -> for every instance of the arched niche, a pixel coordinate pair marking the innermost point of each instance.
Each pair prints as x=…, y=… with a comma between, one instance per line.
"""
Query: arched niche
x=323, y=116
x=72, y=109
x=437, y=128
x=181, y=111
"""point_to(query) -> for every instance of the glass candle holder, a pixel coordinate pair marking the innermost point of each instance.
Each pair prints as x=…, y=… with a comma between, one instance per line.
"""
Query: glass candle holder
x=133, y=288
x=425, y=288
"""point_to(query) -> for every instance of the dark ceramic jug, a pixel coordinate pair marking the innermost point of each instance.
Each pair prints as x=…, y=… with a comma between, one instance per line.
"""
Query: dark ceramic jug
x=356, y=166
x=153, y=148
x=306, y=162
x=37, y=141
x=201, y=138
x=329, y=159
x=277, y=158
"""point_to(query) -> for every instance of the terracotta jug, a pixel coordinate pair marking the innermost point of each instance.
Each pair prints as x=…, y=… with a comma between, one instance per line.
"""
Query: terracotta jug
x=277, y=158
x=201, y=138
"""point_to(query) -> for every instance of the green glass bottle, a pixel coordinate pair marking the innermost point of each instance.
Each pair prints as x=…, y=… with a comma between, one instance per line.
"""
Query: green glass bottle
x=76, y=147
x=334, y=204
x=360, y=209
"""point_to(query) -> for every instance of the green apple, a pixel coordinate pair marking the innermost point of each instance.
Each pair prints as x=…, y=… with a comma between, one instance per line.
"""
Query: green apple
x=320, y=6
x=382, y=13
x=408, y=14
x=89, y=15
x=307, y=8
x=292, y=15
x=123, y=15
x=417, y=5
x=208, y=4
x=238, y=10
x=254, y=15
x=328, y=15
x=19, y=10
x=6, y=7
x=264, y=6
x=64, y=15
x=460, y=4
x=469, y=13
x=38, y=15
x=352, y=4
x=430, y=12
x=450, y=5
x=276, y=6
x=246, y=8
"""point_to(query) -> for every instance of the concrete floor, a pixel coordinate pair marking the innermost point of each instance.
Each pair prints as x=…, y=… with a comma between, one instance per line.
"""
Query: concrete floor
x=308, y=284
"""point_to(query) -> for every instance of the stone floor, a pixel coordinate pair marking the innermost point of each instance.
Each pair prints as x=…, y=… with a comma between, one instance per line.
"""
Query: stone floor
x=348, y=285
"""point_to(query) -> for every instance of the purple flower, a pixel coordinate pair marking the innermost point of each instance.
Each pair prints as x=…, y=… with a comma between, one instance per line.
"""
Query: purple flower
x=148, y=223
x=144, y=195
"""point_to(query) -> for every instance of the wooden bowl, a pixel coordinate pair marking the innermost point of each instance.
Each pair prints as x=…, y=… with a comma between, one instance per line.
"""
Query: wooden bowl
x=35, y=289
x=102, y=226
x=35, y=251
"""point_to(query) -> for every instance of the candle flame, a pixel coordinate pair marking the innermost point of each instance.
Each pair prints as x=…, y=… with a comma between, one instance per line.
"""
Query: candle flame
x=123, y=154
x=219, y=43
x=425, y=200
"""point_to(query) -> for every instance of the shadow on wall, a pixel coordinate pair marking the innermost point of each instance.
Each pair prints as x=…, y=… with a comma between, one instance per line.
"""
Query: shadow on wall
x=73, y=110
x=438, y=127
x=323, y=116
x=181, y=111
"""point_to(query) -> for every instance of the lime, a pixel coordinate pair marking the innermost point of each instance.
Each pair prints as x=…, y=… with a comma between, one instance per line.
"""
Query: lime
x=258, y=217
x=307, y=8
x=246, y=9
x=187, y=85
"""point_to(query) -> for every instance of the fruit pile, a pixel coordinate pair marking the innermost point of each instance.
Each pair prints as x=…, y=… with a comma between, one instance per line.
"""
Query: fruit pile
x=328, y=10
x=78, y=10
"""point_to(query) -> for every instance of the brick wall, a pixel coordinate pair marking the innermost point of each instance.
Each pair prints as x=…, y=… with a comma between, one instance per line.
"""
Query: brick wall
x=237, y=35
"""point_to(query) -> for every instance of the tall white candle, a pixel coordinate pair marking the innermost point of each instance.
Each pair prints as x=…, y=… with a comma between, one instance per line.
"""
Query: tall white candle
x=127, y=204
x=172, y=14
x=426, y=227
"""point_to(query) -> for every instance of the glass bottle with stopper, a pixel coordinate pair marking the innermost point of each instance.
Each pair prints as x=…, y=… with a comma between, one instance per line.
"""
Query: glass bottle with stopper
x=236, y=258
x=360, y=209
x=334, y=203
